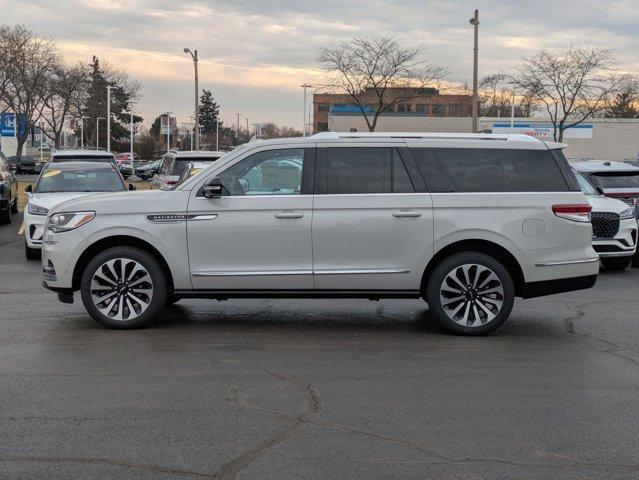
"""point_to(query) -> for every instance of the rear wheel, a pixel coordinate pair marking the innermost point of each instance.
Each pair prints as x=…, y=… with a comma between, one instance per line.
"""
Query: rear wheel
x=470, y=293
x=123, y=288
x=5, y=215
x=14, y=206
x=617, y=263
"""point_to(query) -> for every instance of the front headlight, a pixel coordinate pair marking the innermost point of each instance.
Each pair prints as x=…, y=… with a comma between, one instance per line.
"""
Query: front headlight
x=65, y=221
x=627, y=214
x=37, y=209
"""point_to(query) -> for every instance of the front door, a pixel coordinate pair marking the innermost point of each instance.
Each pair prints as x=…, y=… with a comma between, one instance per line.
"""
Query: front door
x=372, y=221
x=257, y=236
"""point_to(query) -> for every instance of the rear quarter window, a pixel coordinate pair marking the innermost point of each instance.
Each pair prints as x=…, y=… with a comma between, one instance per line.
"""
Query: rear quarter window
x=501, y=170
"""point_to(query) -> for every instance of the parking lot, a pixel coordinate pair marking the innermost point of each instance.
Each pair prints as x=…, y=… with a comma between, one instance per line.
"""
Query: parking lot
x=317, y=389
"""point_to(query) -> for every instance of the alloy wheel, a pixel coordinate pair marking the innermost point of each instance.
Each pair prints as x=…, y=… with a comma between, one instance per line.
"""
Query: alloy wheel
x=121, y=289
x=471, y=295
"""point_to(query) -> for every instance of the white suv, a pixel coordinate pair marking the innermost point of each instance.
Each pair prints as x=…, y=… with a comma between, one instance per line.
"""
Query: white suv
x=466, y=222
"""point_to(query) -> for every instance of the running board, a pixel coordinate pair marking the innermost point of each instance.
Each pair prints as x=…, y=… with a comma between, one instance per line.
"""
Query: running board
x=368, y=294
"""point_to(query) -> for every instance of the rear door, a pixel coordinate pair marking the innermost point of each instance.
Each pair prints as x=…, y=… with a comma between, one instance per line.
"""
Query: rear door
x=372, y=220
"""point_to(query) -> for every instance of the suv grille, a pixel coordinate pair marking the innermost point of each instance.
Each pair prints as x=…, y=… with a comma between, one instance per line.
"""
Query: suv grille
x=604, y=225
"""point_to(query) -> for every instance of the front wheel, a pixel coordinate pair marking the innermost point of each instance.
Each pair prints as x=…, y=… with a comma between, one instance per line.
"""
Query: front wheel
x=470, y=293
x=5, y=215
x=616, y=263
x=14, y=206
x=123, y=288
x=31, y=253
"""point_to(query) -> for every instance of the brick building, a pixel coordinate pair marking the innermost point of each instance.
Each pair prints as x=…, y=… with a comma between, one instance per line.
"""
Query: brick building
x=429, y=103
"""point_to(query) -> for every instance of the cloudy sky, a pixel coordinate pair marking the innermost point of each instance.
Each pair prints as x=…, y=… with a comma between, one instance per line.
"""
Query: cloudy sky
x=255, y=54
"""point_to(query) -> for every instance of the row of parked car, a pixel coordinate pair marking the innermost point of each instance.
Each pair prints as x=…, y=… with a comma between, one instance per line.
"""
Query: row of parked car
x=466, y=222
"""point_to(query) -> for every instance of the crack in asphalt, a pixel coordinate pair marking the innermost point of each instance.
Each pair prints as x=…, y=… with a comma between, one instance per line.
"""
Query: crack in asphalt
x=101, y=461
x=613, y=349
x=295, y=422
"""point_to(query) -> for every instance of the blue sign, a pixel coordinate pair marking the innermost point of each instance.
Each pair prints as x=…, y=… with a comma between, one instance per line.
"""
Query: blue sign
x=8, y=124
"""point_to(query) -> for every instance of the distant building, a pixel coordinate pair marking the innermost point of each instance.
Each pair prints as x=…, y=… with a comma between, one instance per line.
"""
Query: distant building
x=429, y=103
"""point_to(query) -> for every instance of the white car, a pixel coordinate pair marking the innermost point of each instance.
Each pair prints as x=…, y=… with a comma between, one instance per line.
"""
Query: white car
x=467, y=222
x=57, y=183
x=174, y=161
x=614, y=227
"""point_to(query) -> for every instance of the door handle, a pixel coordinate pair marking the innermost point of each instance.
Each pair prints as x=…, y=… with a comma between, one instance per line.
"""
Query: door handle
x=407, y=214
x=289, y=215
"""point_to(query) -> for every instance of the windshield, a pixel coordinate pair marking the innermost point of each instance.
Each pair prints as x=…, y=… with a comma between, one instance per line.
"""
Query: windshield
x=53, y=180
x=585, y=185
x=82, y=158
x=620, y=180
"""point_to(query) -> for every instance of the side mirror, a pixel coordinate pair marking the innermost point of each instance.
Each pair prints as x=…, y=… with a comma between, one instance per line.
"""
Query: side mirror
x=132, y=187
x=213, y=188
x=29, y=188
x=600, y=190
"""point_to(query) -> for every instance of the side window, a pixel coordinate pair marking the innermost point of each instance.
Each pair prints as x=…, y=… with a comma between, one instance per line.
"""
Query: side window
x=501, y=170
x=272, y=172
x=164, y=166
x=366, y=170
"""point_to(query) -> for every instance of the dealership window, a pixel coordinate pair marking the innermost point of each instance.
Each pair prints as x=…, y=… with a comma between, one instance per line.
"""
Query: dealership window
x=366, y=170
x=455, y=110
x=323, y=107
x=422, y=107
x=322, y=127
x=403, y=107
x=439, y=110
x=501, y=170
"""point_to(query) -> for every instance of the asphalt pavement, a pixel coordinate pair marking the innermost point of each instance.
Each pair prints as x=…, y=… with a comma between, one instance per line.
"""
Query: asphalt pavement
x=321, y=389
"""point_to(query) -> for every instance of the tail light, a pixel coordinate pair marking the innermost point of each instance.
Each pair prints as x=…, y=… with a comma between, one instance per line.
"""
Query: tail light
x=579, y=212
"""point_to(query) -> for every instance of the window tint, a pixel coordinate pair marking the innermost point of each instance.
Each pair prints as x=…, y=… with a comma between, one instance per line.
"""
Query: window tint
x=82, y=158
x=585, y=185
x=435, y=178
x=619, y=180
x=273, y=172
x=366, y=170
x=501, y=170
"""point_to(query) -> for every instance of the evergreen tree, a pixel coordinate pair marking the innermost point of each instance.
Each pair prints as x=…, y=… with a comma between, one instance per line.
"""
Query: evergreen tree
x=209, y=112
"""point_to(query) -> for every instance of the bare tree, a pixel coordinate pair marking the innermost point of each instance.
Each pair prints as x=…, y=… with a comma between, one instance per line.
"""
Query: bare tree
x=32, y=61
x=571, y=84
x=496, y=95
x=67, y=87
x=379, y=67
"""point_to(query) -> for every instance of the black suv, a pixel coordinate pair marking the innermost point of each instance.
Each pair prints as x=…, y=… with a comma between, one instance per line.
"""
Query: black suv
x=8, y=191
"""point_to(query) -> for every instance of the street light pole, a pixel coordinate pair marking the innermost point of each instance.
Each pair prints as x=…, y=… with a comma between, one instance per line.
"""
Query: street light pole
x=168, y=130
x=131, y=136
x=475, y=23
x=248, y=134
x=305, y=86
x=197, y=99
x=82, y=130
x=217, y=135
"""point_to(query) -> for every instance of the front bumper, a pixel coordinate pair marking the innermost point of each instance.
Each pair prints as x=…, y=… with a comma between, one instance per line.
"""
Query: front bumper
x=34, y=229
x=624, y=244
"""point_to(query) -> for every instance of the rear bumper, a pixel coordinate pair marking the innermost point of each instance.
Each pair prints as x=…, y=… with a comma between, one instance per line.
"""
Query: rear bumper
x=552, y=287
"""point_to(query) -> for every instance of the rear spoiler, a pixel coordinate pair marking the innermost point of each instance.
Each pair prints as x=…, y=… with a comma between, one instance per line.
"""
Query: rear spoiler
x=555, y=145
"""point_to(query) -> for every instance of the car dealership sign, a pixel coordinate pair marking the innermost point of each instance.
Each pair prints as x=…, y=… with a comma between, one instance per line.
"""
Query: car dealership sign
x=8, y=124
x=543, y=129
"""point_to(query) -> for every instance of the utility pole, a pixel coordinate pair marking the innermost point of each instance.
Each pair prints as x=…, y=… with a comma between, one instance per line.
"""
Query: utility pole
x=217, y=135
x=475, y=23
x=168, y=130
x=238, y=126
x=131, y=141
x=305, y=86
x=97, y=131
x=197, y=98
x=82, y=131
x=248, y=134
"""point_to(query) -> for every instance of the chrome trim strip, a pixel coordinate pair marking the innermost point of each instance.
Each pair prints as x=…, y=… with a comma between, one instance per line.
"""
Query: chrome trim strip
x=566, y=262
x=372, y=271
x=250, y=273
x=197, y=218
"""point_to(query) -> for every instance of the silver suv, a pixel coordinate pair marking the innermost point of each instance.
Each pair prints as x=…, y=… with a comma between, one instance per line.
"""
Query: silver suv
x=466, y=222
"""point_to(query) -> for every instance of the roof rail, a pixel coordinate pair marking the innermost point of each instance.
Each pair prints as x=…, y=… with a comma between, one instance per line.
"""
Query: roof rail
x=429, y=135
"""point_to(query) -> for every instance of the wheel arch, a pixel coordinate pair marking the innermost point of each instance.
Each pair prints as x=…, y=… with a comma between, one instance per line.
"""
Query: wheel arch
x=118, y=241
x=483, y=246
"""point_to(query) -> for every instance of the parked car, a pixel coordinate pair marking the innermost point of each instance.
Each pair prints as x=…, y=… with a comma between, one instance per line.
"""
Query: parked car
x=174, y=161
x=82, y=155
x=191, y=169
x=25, y=164
x=59, y=182
x=146, y=170
x=466, y=222
x=615, y=179
x=8, y=191
x=614, y=227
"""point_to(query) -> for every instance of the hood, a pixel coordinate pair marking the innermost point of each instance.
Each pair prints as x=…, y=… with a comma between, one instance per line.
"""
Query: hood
x=48, y=200
x=144, y=201
x=606, y=204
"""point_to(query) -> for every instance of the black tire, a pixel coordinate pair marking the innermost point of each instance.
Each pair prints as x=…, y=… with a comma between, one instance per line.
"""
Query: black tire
x=5, y=215
x=172, y=300
x=617, y=263
x=155, y=301
x=470, y=296
x=32, y=253
x=635, y=261
x=14, y=206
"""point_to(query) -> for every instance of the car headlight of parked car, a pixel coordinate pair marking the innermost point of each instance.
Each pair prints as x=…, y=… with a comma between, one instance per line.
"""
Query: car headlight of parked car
x=65, y=221
x=627, y=214
x=37, y=209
